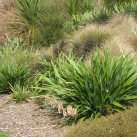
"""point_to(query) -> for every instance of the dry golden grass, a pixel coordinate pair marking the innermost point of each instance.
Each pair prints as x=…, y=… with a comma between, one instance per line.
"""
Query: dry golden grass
x=88, y=38
x=119, y=35
x=120, y=125
x=125, y=33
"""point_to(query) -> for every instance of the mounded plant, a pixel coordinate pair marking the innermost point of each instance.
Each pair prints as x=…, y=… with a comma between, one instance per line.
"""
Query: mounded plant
x=107, y=86
x=16, y=64
x=88, y=38
x=19, y=93
x=11, y=73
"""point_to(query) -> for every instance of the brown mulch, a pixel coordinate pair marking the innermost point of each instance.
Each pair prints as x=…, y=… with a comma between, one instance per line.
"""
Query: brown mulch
x=7, y=17
x=26, y=120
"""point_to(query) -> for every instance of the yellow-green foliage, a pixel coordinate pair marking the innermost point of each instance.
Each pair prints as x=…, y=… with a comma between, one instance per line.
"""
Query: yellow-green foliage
x=17, y=64
x=3, y=134
x=19, y=93
x=119, y=125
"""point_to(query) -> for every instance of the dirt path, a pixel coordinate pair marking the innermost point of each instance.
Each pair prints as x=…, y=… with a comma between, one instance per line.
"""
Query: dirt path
x=26, y=120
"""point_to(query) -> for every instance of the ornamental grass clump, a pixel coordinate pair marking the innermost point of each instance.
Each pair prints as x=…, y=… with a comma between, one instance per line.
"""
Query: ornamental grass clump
x=107, y=86
x=16, y=65
x=20, y=94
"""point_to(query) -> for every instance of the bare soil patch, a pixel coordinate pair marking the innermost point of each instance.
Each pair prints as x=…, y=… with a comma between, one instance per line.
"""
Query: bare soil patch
x=6, y=19
x=26, y=120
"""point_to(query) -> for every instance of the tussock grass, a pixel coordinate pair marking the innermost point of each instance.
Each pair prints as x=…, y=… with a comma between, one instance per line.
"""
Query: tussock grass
x=125, y=30
x=88, y=38
x=19, y=94
x=17, y=65
x=119, y=35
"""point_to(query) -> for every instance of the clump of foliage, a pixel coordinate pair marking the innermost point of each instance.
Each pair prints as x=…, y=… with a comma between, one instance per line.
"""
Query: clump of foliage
x=52, y=23
x=80, y=12
x=101, y=15
x=119, y=125
x=42, y=20
x=19, y=93
x=111, y=3
x=16, y=63
x=75, y=7
x=129, y=8
x=29, y=13
x=11, y=73
x=85, y=40
x=105, y=87
x=78, y=20
x=51, y=30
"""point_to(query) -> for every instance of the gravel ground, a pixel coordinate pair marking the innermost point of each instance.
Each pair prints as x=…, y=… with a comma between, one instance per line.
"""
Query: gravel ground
x=26, y=120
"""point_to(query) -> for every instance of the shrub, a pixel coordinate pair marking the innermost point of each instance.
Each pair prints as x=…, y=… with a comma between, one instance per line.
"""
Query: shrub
x=81, y=14
x=105, y=87
x=119, y=125
x=19, y=93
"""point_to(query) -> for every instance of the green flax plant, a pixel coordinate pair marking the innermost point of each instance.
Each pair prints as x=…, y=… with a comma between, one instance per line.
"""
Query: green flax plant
x=29, y=13
x=107, y=86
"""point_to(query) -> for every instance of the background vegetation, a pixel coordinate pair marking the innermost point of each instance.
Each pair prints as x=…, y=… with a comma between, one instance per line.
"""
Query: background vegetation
x=83, y=52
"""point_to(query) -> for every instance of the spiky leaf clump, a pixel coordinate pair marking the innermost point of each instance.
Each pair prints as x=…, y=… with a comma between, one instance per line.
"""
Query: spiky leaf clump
x=108, y=85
